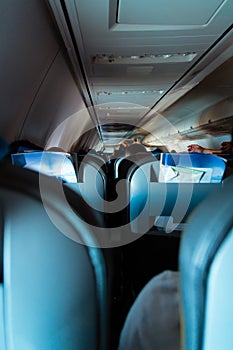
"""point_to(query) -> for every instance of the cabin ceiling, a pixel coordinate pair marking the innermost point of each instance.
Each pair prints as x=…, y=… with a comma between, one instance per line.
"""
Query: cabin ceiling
x=139, y=57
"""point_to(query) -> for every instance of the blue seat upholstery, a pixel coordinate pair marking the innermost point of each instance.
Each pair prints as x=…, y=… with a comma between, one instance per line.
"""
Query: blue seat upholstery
x=55, y=164
x=206, y=262
x=191, y=167
x=53, y=290
x=4, y=148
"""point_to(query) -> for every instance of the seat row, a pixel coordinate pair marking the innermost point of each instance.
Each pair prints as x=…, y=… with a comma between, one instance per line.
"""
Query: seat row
x=142, y=192
x=54, y=280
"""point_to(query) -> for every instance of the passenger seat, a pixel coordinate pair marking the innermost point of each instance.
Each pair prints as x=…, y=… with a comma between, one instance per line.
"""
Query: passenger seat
x=53, y=287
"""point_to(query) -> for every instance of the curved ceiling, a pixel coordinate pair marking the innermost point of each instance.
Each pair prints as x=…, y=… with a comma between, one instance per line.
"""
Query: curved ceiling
x=137, y=57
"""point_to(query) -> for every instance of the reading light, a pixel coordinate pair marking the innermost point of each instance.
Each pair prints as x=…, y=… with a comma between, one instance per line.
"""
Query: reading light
x=118, y=108
x=145, y=58
x=130, y=92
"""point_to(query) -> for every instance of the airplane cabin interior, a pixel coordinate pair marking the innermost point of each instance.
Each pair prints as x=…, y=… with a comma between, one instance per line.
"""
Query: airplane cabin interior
x=116, y=164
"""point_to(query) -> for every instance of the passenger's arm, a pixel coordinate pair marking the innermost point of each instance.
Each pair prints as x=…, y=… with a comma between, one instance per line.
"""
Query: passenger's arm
x=200, y=149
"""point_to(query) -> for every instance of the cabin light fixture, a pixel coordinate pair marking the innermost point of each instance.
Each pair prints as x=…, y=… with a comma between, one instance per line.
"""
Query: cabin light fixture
x=118, y=108
x=145, y=58
x=130, y=92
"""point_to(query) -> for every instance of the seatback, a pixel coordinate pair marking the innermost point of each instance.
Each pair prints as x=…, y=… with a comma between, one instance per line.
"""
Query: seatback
x=56, y=164
x=92, y=178
x=165, y=206
x=54, y=282
x=206, y=262
x=137, y=170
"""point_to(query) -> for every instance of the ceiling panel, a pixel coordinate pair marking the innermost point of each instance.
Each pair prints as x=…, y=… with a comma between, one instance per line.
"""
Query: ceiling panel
x=126, y=48
x=163, y=12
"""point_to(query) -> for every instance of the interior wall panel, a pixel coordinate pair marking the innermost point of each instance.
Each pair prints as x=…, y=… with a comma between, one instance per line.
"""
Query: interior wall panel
x=28, y=47
x=57, y=100
x=37, y=91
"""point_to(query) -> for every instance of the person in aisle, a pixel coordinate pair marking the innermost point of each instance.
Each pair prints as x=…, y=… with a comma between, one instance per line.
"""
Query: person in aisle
x=153, y=321
x=135, y=148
